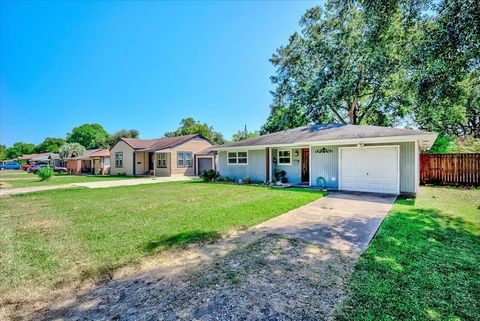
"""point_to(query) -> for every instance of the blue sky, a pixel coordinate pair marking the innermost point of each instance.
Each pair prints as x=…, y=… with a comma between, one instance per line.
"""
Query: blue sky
x=143, y=65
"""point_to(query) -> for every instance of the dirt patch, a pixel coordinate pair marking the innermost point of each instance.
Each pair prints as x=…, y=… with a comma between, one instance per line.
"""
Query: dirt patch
x=270, y=278
x=5, y=185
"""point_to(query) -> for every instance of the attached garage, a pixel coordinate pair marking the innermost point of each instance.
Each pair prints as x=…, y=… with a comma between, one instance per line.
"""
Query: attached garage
x=370, y=169
x=205, y=160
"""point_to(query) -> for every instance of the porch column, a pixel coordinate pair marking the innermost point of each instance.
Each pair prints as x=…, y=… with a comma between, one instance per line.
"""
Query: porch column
x=271, y=165
x=267, y=164
x=310, y=165
x=155, y=163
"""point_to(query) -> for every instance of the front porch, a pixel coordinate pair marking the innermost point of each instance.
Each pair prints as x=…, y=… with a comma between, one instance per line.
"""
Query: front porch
x=293, y=162
x=152, y=164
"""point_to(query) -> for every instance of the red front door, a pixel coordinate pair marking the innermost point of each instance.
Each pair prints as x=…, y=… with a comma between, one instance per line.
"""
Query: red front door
x=305, y=165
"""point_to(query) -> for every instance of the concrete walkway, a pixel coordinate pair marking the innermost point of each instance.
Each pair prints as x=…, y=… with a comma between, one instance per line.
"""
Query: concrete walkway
x=102, y=184
x=137, y=181
x=23, y=190
x=344, y=221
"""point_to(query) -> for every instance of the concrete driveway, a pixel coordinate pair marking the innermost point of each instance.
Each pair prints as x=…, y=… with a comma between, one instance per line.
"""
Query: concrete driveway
x=344, y=221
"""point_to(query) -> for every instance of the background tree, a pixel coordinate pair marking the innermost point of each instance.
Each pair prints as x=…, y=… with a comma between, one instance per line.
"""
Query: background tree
x=190, y=126
x=125, y=133
x=19, y=149
x=50, y=145
x=69, y=150
x=89, y=135
x=2, y=152
x=244, y=134
x=334, y=70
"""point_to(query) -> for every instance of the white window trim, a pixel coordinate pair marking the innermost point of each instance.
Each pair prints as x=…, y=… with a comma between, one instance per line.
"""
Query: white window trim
x=278, y=157
x=117, y=158
x=236, y=158
x=191, y=159
x=162, y=159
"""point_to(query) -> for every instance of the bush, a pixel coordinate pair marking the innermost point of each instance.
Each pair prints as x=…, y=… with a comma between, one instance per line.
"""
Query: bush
x=210, y=175
x=247, y=180
x=45, y=173
x=284, y=180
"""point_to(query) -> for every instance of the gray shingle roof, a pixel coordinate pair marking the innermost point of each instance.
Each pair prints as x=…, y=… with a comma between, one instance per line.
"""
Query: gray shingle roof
x=157, y=144
x=323, y=132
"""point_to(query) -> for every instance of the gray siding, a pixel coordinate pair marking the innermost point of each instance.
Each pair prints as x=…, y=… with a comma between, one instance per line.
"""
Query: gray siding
x=256, y=168
x=326, y=165
x=293, y=171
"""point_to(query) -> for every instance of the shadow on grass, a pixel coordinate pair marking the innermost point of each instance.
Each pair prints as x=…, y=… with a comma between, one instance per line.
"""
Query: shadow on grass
x=423, y=264
x=273, y=188
x=180, y=240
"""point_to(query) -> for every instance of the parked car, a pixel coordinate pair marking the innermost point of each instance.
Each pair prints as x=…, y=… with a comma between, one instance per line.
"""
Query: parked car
x=56, y=169
x=26, y=166
x=10, y=166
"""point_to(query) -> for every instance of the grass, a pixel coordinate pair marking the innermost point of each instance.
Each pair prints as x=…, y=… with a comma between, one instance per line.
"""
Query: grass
x=33, y=180
x=10, y=173
x=56, y=237
x=423, y=264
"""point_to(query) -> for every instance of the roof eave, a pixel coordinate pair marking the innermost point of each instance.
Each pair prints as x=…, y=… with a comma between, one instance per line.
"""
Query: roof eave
x=426, y=141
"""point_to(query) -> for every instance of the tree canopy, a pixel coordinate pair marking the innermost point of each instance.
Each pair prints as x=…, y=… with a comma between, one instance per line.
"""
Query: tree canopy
x=244, y=134
x=50, y=145
x=126, y=133
x=90, y=136
x=334, y=71
x=19, y=149
x=69, y=150
x=384, y=63
x=190, y=126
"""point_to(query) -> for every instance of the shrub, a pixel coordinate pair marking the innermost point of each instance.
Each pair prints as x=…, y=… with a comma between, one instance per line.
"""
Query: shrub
x=247, y=180
x=45, y=173
x=210, y=175
x=284, y=180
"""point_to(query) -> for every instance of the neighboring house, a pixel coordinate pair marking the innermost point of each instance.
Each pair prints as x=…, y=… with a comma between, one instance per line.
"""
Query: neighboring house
x=43, y=158
x=95, y=161
x=337, y=156
x=101, y=162
x=158, y=157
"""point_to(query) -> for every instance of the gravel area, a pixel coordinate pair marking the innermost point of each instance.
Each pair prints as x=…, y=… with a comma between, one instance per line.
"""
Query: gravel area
x=268, y=278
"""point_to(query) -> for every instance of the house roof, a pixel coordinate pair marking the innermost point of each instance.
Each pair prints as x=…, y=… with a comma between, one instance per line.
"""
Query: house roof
x=206, y=152
x=29, y=156
x=45, y=157
x=159, y=143
x=325, y=132
x=100, y=153
x=87, y=154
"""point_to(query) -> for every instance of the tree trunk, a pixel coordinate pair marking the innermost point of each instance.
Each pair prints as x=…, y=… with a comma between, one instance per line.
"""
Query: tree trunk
x=352, y=112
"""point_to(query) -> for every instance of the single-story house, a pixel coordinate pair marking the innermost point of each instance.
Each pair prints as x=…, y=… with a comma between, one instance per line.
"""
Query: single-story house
x=336, y=156
x=42, y=158
x=94, y=161
x=158, y=157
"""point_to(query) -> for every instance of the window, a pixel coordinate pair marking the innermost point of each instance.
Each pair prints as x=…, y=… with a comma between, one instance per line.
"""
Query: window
x=184, y=159
x=240, y=158
x=119, y=159
x=232, y=158
x=284, y=157
x=162, y=160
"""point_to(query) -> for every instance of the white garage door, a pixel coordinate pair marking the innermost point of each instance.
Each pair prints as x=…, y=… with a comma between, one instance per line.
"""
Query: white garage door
x=369, y=169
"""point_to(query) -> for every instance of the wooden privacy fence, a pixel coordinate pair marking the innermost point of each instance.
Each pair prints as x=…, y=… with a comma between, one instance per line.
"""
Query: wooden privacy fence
x=450, y=169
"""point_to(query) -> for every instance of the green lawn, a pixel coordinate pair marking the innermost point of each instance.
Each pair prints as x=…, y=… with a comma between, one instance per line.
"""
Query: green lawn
x=10, y=173
x=424, y=263
x=54, y=237
x=33, y=180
